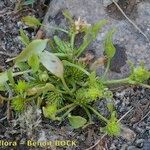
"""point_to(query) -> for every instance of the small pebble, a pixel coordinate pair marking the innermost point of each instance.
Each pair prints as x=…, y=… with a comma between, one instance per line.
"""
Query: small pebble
x=113, y=147
x=139, y=143
x=146, y=145
x=132, y=148
x=128, y=134
x=124, y=147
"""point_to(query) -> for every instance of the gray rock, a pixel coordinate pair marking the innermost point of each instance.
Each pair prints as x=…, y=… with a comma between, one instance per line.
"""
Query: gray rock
x=124, y=147
x=132, y=148
x=134, y=43
x=112, y=147
x=139, y=143
x=146, y=144
x=108, y=2
x=127, y=133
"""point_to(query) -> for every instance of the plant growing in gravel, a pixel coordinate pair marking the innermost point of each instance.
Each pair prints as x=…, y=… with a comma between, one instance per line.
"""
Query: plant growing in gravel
x=58, y=80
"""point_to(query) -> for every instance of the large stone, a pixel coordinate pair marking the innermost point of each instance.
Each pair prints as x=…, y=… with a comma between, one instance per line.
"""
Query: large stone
x=107, y=2
x=136, y=47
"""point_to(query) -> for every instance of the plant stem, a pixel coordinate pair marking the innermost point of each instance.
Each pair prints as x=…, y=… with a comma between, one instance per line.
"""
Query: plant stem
x=33, y=97
x=76, y=66
x=39, y=102
x=61, y=55
x=144, y=85
x=72, y=40
x=65, y=107
x=119, y=81
x=126, y=81
x=74, y=87
x=88, y=113
x=67, y=112
x=64, y=92
x=82, y=48
x=55, y=28
x=107, y=69
x=98, y=114
x=65, y=85
x=20, y=73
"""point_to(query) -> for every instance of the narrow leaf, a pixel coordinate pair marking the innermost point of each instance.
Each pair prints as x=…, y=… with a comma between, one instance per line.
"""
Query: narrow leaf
x=110, y=50
x=36, y=46
x=62, y=47
x=40, y=89
x=67, y=63
x=59, y=43
x=77, y=121
x=52, y=63
x=91, y=35
x=68, y=16
x=3, y=78
x=24, y=38
x=34, y=62
x=31, y=21
x=22, y=66
x=10, y=77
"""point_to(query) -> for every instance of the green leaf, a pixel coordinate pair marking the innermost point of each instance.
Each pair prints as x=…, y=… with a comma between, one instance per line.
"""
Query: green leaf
x=110, y=106
x=40, y=89
x=77, y=121
x=10, y=77
x=43, y=76
x=22, y=66
x=110, y=50
x=113, y=127
x=3, y=78
x=34, y=62
x=139, y=75
x=62, y=47
x=50, y=111
x=91, y=35
x=21, y=86
x=18, y=104
x=31, y=21
x=52, y=63
x=2, y=88
x=36, y=46
x=24, y=38
x=67, y=63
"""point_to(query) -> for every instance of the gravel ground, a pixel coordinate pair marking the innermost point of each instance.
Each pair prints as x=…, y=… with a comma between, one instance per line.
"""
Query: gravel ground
x=10, y=23
x=31, y=125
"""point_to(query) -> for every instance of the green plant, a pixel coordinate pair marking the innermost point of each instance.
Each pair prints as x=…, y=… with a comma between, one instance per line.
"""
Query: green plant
x=58, y=82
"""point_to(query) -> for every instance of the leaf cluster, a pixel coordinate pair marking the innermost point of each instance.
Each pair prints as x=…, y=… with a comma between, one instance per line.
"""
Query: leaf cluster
x=52, y=77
